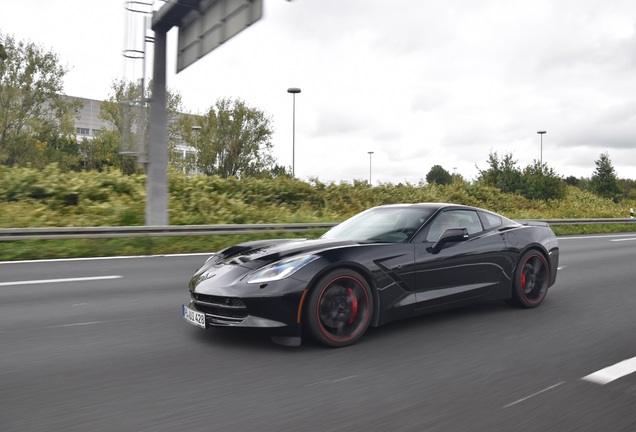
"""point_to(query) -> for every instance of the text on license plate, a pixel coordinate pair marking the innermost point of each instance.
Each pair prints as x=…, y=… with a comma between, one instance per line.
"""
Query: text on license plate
x=193, y=317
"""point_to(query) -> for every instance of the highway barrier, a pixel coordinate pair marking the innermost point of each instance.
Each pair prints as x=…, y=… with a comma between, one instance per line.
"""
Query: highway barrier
x=13, y=234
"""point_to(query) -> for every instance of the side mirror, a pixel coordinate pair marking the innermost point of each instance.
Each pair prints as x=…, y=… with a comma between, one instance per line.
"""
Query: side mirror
x=450, y=235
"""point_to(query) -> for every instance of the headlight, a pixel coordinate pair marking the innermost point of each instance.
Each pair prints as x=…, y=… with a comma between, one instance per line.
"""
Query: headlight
x=281, y=269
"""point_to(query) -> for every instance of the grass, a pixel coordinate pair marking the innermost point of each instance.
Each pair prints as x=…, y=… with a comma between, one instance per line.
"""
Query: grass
x=82, y=248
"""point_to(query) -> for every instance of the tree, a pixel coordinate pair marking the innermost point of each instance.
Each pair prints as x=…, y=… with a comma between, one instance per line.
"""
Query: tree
x=604, y=182
x=439, y=175
x=536, y=181
x=458, y=178
x=128, y=118
x=62, y=150
x=502, y=174
x=32, y=109
x=629, y=188
x=124, y=113
x=233, y=140
x=271, y=172
x=541, y=182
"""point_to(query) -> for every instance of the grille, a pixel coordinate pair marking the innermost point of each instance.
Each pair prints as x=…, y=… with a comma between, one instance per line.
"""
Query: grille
x=231, y=302
x=226, y=310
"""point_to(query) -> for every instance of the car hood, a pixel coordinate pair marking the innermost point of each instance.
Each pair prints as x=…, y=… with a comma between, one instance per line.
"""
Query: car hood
x=253, y=255
x=228, y=266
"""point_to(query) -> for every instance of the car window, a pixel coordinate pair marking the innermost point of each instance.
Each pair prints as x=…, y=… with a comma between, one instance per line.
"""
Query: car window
x=490, y=220
x=454, y=219
x=381, y=225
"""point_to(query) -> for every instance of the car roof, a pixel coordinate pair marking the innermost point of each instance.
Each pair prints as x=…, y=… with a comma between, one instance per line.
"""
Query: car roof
x=427, y=205
x=439, y=206
x=436, y=207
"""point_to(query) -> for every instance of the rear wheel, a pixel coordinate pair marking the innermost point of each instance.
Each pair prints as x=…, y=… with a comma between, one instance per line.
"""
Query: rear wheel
x=530, y=284
x=339, y=308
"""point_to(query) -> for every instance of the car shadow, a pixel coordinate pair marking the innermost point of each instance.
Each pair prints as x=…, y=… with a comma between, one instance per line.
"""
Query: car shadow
x=249, y=340
x=462, y=318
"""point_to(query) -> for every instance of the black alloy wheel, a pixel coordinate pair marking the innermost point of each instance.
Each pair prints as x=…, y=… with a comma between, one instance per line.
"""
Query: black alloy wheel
x=530, y=284
x=339, y=308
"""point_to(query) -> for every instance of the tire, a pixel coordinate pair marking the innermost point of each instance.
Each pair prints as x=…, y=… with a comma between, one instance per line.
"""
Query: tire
x=530, y=283
x=339, y=309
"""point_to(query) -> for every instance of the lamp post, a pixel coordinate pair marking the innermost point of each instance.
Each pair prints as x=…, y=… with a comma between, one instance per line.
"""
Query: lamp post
x=370, y=153
x=541, y=134
x=196, y=129
x=293, y=91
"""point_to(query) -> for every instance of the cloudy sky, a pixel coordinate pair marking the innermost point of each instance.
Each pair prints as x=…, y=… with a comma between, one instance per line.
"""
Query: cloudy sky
x=417, y=82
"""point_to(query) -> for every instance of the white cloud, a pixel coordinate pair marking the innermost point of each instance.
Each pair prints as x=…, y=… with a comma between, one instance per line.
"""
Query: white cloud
x=420, y=83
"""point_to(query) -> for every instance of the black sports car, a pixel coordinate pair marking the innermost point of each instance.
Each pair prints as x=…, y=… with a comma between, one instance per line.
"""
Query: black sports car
x=386, y=263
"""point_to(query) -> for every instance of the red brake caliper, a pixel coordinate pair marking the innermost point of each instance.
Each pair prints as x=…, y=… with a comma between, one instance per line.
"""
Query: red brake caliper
x=354, y=305
x=523, y=280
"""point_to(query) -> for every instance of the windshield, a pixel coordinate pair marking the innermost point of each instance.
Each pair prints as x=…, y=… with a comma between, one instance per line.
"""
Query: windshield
x=381, y=225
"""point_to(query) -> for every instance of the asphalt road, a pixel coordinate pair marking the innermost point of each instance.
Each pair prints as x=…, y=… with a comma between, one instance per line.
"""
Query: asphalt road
x=100, y=345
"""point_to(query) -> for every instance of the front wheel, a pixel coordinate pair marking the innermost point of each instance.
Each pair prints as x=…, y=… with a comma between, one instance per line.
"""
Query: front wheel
x=530, y=284
x=339, y=308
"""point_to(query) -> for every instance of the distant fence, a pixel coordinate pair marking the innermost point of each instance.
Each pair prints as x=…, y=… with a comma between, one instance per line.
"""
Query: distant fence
x=13, y=234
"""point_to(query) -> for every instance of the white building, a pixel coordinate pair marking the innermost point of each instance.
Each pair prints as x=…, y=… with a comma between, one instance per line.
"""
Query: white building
x=88, y=123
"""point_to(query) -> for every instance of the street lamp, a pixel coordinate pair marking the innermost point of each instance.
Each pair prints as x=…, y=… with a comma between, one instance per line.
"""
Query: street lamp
x=541, y=134
x=293, y=91
x=196, y=129
x=370, y=153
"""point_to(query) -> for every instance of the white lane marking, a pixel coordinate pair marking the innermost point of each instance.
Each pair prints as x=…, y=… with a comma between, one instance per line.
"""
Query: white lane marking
x=345, y=378
x=46, y=281
x=330, y=381
x=533, y=395
x=625, y=239
x=75, y=324
x=612, y=373
x=593, y=237
x=106, y=258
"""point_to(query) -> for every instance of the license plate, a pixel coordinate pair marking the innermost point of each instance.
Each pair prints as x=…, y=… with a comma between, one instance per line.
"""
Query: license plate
x=193, y=317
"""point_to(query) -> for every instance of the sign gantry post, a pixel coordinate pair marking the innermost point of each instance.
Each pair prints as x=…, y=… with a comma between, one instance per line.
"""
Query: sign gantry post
x=203, y=26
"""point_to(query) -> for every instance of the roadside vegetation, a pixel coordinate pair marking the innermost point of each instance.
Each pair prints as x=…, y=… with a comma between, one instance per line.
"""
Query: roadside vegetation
x=47, y=197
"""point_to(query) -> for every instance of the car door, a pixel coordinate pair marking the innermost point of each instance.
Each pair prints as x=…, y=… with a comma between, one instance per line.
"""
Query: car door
x=461, y=269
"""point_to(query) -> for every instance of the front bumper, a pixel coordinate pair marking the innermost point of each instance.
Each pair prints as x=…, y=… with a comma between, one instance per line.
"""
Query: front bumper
x=276, y=315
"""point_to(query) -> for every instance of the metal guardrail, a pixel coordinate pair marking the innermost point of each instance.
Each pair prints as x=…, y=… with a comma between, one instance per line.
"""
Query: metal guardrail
x=13, y=234
x=556, y=222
